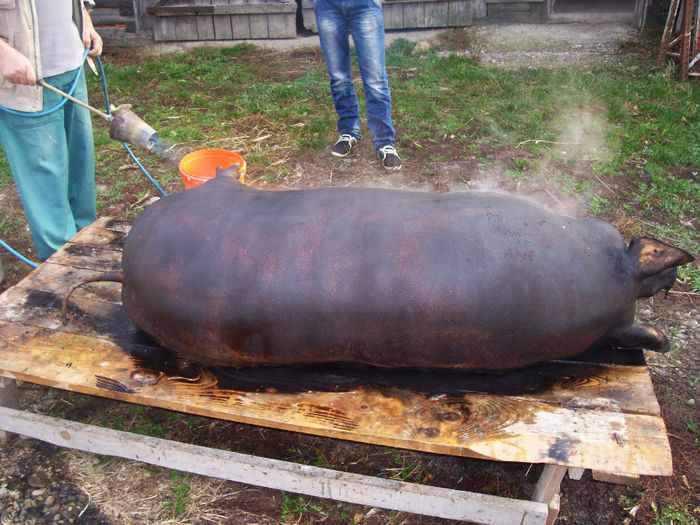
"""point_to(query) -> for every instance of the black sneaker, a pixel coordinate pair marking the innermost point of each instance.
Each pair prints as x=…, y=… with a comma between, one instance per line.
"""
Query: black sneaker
x=390, y=159
x=344, y=145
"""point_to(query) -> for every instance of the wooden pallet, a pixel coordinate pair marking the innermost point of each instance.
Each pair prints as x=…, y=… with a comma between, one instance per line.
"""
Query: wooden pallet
x=576, y=414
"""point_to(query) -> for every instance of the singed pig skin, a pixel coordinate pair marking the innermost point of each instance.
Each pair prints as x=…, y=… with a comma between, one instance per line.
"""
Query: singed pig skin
x=229, y=275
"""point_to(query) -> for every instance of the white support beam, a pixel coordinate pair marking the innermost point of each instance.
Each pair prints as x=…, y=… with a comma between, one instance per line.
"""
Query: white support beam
x=576, y=473
x=547, y=489
x=276, y=474
x=8, y=398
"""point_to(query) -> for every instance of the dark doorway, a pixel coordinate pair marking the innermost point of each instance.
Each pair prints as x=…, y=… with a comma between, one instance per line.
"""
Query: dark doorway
x=592, y=10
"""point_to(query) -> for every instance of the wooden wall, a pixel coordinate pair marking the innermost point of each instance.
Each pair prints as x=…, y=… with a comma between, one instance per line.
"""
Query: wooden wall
x=413, y=14
x=193, y=20
x=182, y=20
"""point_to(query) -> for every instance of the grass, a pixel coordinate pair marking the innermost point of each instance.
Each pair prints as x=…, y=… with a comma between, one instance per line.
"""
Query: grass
x=646, y=118
x=294, y=506
x=673, y=514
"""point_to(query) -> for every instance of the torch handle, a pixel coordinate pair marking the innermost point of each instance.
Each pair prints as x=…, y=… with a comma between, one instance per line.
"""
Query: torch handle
x=108, y=118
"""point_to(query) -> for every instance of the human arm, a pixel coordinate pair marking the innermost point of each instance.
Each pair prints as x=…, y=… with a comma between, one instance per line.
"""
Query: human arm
x=91, y=38
x=15, y=67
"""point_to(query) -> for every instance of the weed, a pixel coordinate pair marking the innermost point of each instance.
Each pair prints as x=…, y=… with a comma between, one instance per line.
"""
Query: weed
x=112, y=421
x=599, y=205
x=103, y=460
x=321, y=460
x=179, y=491
x=297, y=504
x=407, y=468
x=500, y=487
x=672, y=514
x=691, y=276
x=516, y=174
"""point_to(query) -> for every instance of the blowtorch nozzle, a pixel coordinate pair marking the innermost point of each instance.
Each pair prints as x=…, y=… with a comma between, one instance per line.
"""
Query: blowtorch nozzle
x=125, y=126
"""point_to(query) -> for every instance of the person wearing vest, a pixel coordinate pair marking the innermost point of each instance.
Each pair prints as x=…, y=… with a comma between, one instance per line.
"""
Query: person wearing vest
x=52, y=155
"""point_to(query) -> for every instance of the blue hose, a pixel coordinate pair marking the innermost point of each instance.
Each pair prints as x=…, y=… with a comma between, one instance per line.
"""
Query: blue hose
x=126, y=146
x=20, y=257
x=58, y=106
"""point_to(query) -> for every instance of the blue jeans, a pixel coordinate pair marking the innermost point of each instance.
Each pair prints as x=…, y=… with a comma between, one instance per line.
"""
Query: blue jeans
x=363, y=19
x=52, y=159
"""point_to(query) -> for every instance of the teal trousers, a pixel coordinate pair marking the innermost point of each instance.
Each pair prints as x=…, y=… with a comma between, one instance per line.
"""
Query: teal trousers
x=52, y=158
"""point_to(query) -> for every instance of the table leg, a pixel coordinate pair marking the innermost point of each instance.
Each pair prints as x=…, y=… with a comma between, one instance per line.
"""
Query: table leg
x=547, y=489
x=8, y=398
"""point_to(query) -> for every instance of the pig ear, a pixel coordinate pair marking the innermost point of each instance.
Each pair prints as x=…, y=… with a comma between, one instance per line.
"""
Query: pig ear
x=652, y=256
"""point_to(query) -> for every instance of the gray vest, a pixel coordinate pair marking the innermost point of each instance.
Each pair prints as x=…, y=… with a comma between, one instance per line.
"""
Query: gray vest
x=19, y=28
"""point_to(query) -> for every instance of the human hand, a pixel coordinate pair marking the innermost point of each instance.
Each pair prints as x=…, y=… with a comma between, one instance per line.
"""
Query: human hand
x=15, y=67
x=91, y=39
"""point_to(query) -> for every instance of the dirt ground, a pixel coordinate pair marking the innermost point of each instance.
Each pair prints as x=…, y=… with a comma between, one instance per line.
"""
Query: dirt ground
x=41, y=484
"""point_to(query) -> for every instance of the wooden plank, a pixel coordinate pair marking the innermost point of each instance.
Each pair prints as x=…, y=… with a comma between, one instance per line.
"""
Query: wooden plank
x=477, y=425
x=160, y=29
x=461, y=13
x=185, y=28
x=8, y=398
x=479, y=9
x=88, y=257
x=222, y=27
x=309, y=16
x=668, y=31
x=612, y=477
x=509, y=7
x=43, y=310
x=548, y=485
x=414, y=15
x=576, y=473
x=204, y=23
x=400, y=14
x=547, y=490
x=277, y=474
x=165, y=29
x=104, y=232
x=57, y=279
x=393, y=15
x=281, y=25
x=241, y=26
x=233, y=9
x=436, y=14
x=686, y=37
x=258, y=26
x=553, y=508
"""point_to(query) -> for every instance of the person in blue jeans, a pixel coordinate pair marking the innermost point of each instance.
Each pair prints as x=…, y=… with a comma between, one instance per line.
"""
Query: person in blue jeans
x=336, y=20
x=52, y=155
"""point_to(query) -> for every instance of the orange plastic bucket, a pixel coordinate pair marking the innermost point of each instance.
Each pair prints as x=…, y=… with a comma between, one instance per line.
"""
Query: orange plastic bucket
x=199, y=166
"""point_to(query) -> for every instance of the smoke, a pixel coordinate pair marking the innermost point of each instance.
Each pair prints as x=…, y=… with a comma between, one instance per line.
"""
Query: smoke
x=562, y=177
x=169, y=151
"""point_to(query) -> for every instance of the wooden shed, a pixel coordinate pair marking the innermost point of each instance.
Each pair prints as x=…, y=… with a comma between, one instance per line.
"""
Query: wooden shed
x=193, y=20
